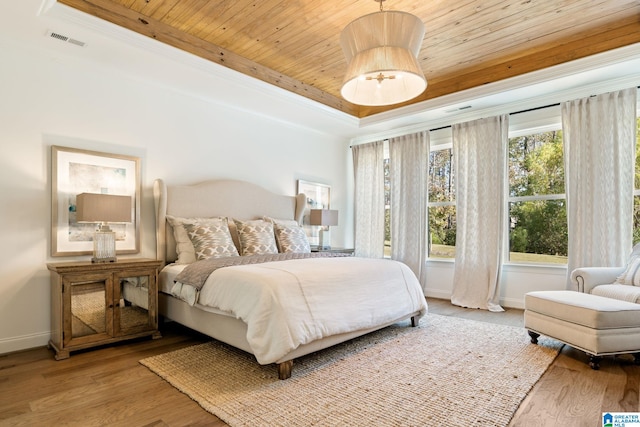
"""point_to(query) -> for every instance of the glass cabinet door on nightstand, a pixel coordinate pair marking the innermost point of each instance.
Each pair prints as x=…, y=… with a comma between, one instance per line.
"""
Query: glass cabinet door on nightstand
x=87, y=308
x=135, y=304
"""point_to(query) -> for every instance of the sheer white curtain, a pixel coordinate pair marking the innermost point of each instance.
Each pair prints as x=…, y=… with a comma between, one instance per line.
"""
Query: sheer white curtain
x=409, y=172
x=480, y=155
x=599, y=154
x=368, y=165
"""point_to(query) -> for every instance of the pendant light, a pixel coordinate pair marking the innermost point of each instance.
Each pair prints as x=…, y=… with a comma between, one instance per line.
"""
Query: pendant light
x=381, y=51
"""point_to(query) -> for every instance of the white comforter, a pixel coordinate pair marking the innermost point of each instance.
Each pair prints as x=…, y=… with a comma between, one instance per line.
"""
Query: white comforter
x=289, y=303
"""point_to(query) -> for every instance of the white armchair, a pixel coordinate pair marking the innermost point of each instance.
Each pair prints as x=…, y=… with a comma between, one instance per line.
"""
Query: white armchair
x=603, y=318
x=587, y=278
x=621, y=283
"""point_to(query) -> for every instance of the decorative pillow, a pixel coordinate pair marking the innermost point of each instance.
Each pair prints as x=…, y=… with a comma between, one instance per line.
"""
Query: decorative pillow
x=184, y=246
x=211, y=239
x=256, y=237
x=618, y=291
x=291, y=239
x=631, y=275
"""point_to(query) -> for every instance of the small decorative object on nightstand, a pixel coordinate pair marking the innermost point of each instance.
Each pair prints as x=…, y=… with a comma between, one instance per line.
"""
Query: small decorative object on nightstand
x=95, y=304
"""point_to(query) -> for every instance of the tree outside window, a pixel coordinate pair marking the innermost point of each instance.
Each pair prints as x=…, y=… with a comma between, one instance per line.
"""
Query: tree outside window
x=387, y=204
x=442, y=204
x=537, y=203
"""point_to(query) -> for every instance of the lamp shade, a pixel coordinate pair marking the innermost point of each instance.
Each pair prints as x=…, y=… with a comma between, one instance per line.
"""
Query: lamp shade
x=91, y=207
x=381, y=51
x=324, y=217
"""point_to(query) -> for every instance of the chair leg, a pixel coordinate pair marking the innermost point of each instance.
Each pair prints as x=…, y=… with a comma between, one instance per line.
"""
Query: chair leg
x=594, y=362
x=534, y=337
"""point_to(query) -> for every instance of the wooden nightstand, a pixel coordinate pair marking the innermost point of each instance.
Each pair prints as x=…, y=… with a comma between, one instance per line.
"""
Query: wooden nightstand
x=96, y=304
x=334, y=250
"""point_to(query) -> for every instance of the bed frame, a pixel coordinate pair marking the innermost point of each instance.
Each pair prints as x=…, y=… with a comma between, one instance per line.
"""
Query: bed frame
x=244, y=201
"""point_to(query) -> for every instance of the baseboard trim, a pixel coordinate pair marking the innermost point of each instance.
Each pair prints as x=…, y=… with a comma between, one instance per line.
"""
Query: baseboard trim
x=25, y=342
x=445, y=294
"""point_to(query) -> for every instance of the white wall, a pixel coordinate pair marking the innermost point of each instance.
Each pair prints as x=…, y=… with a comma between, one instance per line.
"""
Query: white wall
x=49, y=98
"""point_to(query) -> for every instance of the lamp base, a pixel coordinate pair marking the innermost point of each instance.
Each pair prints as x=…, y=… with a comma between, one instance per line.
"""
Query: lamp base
x=324, y=240
x=104, y=246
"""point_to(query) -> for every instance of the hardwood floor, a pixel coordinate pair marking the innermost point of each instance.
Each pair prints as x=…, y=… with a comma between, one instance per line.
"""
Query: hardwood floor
x=107, y=386
x=569, y=394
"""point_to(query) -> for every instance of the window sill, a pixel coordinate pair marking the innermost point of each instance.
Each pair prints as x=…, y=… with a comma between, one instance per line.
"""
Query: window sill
x=511, y=266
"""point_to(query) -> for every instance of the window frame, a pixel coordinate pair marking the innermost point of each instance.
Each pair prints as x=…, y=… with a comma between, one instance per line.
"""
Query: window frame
x=506, y=249
x=445, y=144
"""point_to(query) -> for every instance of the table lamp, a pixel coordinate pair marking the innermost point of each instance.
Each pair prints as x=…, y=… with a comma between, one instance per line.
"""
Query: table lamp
x=103, y=209
x=324, y=218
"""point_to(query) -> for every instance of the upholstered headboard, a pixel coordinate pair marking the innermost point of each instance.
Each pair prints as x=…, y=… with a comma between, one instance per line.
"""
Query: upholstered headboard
x=231, y=198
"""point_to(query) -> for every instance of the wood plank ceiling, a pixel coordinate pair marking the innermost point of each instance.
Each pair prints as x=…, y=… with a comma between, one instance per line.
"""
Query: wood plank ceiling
x=295, y=44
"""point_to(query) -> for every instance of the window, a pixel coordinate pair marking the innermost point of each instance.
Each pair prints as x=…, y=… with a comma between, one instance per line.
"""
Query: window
x=442, y=204
x=536, y=223
x=387, y=202
x=536, y=201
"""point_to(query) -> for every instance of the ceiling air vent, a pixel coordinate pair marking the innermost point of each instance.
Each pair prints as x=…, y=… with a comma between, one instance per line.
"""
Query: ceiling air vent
x=65, y=39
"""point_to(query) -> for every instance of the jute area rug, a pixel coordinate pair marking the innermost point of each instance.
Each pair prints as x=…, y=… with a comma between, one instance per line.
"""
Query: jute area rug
x=448, y=371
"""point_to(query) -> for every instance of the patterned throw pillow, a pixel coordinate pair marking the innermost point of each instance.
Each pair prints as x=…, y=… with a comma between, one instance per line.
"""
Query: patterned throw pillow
x=211, y=239
x=292, y=239
x=184, y=247
x=256, y=237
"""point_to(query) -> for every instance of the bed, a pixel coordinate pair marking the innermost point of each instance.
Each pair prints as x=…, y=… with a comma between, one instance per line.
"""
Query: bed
x=275, y=308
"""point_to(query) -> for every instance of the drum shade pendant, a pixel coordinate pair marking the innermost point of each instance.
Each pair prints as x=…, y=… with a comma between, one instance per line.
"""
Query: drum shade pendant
x=381, y=51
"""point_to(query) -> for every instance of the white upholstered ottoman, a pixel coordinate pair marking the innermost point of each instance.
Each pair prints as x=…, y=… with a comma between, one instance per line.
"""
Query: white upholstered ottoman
x=596, y=325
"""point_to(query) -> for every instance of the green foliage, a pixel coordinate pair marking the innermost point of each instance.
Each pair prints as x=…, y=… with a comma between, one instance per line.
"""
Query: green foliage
x=441, y=176
x=387, y=225
x=536, y=164
x=540, y=227
x=518, y=239
x=442, y=225
x=442, y=219
x=536, y=168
